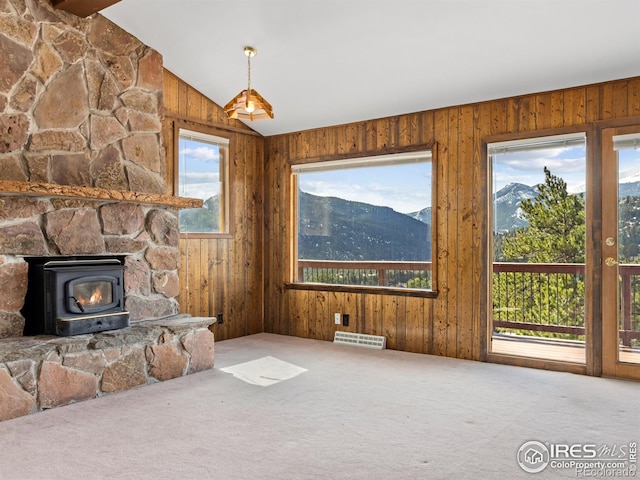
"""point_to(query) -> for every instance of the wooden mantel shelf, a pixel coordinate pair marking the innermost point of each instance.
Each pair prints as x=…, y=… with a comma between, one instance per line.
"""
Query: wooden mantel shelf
x=83, y=8
x=8, y=187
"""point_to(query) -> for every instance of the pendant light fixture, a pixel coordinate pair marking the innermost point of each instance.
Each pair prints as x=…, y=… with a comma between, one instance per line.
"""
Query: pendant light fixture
x=249, y=104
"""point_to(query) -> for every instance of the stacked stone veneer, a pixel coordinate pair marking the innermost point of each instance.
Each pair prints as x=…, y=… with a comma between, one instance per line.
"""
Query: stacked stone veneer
x=80, y=101
x=81, y=106
x=41, y=373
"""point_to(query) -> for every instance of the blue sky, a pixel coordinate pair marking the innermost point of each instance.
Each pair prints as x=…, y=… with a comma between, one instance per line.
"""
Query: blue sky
x=202, y=162
x=405, y=188
x=568, y=163
x=528, y=167
x=629, y=169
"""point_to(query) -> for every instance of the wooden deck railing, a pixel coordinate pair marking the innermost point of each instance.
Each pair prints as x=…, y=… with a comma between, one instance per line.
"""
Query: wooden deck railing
x=539, y=297
x=370, y=273
x=396, y=274
x=629, y=298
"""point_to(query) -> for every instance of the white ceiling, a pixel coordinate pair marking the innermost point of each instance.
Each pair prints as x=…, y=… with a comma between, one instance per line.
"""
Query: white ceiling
x=328, y=62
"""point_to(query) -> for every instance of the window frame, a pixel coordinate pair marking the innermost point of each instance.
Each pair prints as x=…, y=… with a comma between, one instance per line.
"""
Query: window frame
x=226, y=166
x=295, y=166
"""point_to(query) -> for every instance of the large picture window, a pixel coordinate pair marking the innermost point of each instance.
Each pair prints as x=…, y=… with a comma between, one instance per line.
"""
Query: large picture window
x=366, y=221
x=202, y=172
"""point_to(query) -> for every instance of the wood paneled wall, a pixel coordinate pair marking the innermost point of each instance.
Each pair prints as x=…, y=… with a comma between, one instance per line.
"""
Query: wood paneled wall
x=244, y=276
x=453, y=323
x=221, y=275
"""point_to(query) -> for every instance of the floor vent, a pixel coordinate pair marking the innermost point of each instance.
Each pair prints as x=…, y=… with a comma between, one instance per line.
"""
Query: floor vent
x=360, y=340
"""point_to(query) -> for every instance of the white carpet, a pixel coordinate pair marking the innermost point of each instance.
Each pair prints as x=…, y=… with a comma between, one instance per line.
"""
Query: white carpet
x=356, y=413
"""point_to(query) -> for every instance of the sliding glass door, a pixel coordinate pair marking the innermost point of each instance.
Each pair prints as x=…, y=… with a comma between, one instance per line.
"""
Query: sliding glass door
x=538, y=238
x=621, y=251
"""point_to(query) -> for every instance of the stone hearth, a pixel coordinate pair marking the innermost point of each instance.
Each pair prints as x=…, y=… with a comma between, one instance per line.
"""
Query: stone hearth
x=42, y=372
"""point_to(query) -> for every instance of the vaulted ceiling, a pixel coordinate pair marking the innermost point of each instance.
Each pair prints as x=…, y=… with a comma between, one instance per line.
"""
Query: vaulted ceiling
x=328, y=62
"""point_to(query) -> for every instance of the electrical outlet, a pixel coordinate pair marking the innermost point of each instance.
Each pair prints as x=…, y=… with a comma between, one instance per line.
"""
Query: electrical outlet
x=219, y=318
x=336, y=318
x=345, y=319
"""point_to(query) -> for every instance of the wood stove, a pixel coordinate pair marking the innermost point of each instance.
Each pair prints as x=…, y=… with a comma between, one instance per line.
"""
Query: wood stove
x=74, y=295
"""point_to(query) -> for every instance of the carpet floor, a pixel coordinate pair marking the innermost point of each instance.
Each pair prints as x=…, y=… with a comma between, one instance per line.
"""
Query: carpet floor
x=341, y=413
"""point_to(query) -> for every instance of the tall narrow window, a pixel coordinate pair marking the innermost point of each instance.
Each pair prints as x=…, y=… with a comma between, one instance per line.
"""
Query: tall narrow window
x=203, y=173
x=538, y=214
x=366, y=221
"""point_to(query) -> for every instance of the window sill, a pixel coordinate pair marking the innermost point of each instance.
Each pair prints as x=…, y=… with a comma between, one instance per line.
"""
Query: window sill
x=212, y=236
x=326, y=287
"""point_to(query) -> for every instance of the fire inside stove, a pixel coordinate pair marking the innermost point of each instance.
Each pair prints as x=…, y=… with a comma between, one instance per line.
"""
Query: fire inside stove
x=74, y=295
x=91, y=295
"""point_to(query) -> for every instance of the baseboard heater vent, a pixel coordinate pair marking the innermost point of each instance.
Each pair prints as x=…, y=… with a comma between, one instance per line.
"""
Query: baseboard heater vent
x=360, y=340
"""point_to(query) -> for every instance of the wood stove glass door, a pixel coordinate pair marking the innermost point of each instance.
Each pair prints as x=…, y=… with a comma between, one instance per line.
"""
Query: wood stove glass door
x=91, y=294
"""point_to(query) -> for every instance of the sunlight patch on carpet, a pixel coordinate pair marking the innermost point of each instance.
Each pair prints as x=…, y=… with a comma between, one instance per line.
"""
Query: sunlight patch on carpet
x=264, y=371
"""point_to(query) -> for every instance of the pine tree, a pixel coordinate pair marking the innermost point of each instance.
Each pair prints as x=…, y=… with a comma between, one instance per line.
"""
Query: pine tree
x=555, y=234
x=556, y=230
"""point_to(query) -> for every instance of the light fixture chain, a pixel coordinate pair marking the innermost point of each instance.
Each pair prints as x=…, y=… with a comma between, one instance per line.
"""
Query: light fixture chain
x=248, y=75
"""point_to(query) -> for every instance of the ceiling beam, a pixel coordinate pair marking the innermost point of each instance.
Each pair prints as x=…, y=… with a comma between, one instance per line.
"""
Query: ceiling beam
x=82, y=8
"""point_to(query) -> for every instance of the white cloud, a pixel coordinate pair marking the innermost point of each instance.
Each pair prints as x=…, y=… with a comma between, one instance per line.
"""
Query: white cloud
x=199, y=185
x=199, y=177
x=203, y=153
x=399, y=199
x=404, y=188
x=528, y=167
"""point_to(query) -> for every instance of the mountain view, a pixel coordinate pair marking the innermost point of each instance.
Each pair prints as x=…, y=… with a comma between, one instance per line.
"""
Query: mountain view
x=336, y=229
x=332, y=228
x=423, y=215
x=507, y=212
x=203, y=220
x=508, y=215
x=631, y=189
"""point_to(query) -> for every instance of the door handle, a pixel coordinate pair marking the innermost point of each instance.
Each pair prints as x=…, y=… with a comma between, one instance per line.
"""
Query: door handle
x=610, y=262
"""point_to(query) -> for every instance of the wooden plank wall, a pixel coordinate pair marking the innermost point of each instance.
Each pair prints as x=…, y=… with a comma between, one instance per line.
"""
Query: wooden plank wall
x=222, y=274
x=452, y=323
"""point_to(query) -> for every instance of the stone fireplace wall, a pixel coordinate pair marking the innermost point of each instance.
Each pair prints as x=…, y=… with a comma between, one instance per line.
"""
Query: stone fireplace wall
x=147, y=235
x=81, y=105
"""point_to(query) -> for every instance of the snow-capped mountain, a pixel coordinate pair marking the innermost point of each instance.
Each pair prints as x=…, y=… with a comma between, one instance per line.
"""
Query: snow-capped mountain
x=423, y=215
x=507, y=212
x=629, y=183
